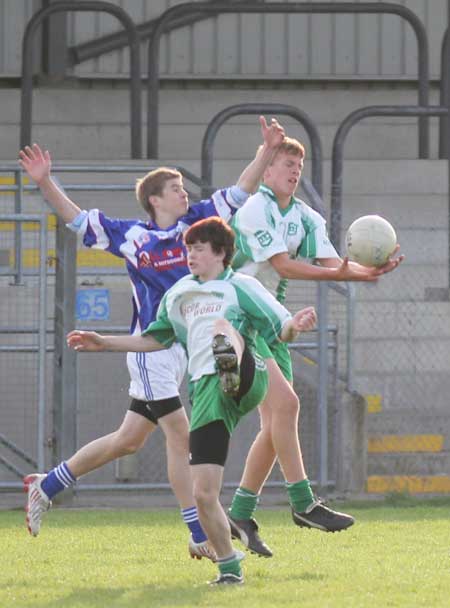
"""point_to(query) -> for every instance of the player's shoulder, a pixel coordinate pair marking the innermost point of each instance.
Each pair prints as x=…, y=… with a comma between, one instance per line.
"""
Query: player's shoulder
x=195, y=212
x=255, y=200
x=130, y=221
x=254, y=206
x=181, y=283
x=177, y=290
x=245, y=281
x=299, y=202
x=307, y=211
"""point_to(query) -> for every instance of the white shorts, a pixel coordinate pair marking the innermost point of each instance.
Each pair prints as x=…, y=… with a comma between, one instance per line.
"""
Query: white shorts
x=156, y=375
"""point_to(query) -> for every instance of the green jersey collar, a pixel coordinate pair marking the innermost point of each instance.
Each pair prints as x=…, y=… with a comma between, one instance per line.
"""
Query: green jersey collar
x=270, y=193
x=226, y=274
x=223, y=276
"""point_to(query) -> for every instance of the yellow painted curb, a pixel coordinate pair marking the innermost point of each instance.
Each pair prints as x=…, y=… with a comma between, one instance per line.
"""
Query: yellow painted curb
x=427, y=484
x=405, y=443
x=29, y=226
x=85, y=258
x=374, y=403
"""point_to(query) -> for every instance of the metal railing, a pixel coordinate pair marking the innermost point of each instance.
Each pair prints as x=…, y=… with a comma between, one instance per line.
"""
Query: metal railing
x=113, y=42
x=262, y=108
x=135, y=70
x=41, y=347
x=180, y=10
x=338, y=152
x=444, y=98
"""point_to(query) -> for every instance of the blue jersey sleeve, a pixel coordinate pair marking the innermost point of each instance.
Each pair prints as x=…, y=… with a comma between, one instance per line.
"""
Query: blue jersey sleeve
x=109, y=234
x=223, y=203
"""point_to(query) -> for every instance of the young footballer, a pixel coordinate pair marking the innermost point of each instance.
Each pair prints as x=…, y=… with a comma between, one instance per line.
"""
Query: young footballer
x=224, y=321
x=277, y=238
x=155, y=258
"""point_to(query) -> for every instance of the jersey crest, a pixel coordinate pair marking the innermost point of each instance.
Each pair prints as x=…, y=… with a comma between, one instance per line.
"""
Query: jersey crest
x=264, y=237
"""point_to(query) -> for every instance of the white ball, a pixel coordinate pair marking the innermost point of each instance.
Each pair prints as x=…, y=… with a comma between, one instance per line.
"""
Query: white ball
x=370, y=240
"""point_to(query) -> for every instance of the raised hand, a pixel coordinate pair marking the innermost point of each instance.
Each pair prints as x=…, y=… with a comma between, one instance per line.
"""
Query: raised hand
x=85, y=340
x=272, y=134
x=35, y=162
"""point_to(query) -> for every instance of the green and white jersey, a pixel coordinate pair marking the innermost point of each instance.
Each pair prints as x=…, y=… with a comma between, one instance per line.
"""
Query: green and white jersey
x=189, y=309
x=263, y=229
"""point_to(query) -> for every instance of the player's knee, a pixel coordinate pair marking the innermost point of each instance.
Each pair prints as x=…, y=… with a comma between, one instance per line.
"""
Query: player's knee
x=289, y=405
x=178, y=438
x=125, y=445
x=221, y=326
x=265, y=432
x=204, y=496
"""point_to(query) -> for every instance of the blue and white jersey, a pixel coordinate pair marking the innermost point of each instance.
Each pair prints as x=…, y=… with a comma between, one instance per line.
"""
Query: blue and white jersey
x=155, y=258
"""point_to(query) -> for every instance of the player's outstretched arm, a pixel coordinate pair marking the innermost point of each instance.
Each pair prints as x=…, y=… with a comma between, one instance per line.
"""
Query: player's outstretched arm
x=352, y=271
x=303, y=320
x=91, y=341
x=37, y=163
x=273, y=135
x=330, y=269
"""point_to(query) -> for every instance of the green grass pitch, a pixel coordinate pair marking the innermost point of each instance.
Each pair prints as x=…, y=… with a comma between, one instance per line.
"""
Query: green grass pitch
x=395, y=555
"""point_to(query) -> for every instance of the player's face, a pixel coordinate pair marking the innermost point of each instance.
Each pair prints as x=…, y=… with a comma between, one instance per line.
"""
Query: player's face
x=283, y=175
x=174, y=198
x=203, y=261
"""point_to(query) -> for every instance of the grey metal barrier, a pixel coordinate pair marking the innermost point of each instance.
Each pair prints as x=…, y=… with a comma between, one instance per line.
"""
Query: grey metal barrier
x=444, y=94
x=40, y=348
x=113, y=42
x=135, y=70
x=338, y=151
x=179, y=10
x=262, y=108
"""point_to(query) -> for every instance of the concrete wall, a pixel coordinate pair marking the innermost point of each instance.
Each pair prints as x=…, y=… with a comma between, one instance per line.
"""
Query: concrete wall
x=93, y=123
x=278, y=46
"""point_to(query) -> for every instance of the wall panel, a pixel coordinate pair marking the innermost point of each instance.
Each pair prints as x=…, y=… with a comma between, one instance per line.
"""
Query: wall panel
x=251, y=46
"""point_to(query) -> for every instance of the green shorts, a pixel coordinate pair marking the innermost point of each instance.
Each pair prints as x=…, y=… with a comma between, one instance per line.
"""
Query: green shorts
x=278, y=351
x=210, y=403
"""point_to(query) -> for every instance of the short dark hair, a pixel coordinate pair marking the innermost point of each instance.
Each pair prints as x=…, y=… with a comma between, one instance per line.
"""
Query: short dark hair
x=217, y=232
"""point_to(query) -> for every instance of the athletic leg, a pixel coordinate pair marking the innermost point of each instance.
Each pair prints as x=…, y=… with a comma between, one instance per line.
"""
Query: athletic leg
x=280, y=415
x=128, y=439
x=285, y=407
x=261, y=456
x=175, y=427
x=207, y=482
x=130, y=436
x=208, y=446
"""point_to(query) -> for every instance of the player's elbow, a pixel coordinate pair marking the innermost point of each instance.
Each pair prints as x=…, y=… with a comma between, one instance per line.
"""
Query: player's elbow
x=285, y=273
x=282, y=268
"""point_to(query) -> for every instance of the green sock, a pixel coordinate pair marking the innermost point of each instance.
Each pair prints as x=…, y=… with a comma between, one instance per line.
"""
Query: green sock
x=230, y=565
x=244, y=504
x=300, y=495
